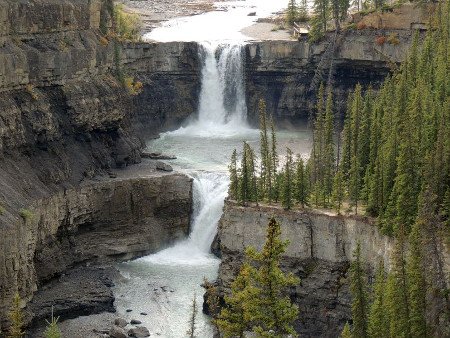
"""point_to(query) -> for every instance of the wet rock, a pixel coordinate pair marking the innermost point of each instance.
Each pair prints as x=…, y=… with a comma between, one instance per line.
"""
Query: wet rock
x=135, y=322
x=163, y=166
x=139, y=332
x=120, y=322
x=143, y=313
x=251, y=14
x=117, y=332
x=157, y=156
x=128, y=310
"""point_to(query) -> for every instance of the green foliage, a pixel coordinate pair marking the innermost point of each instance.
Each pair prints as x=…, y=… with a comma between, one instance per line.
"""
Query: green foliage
x=258, y=300
x=26, y=214
x=234, y=180
x=193, y=318
x=52, y=330
x=301, y=183
x=16, y=319
x=127, y=26
x=378, y=320
x=287, y=197
x=346, y=332
x=359, y=295
x=292, y=12
x=338, y=193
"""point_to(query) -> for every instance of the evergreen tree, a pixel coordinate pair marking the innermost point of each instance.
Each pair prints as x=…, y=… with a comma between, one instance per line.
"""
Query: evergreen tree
x=233, y=320
x=274, y=163
x=52, y=330
x=337, y=195
x=359, y=295
x=250, y=157
x=270, y=310
x=416, y=284
x=245, y=180
x=193, y=318
x=354, y=186
x=301, y=189
x=234, y=181
x=292, y=12
x=346, y=332
x=16, y=318
x=266, y=162
x=288, y=186
x=321, y=14
x=378, y=321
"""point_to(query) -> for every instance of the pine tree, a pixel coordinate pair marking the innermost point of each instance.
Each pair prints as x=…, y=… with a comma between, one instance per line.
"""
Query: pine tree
x=266, y=163
x=337, y=195
x=359, y=295
x=52, y=330
x=193, y=318
x=288, y=186
x=16, y=319
x=292, y=12
x=416, y=284
x=378, y=321
x=245, y=181
x=234, y=181
x=346, y=332
x=270, y=309
x=253, y=189
x=233, y=320
x=301, y=188
x=274, y=163
x=321, y=13
x=354, y=186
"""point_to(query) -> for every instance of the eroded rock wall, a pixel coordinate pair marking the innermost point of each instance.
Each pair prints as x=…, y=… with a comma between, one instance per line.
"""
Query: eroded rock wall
x=319, y=253
x=281, y=72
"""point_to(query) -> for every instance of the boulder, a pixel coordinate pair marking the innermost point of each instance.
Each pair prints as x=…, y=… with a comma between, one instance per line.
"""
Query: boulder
x=135, y=322
x=120, y=322
x=163, y=166
x=139, y=332
x=117, y=332
x=158, y=156
x=251, y=14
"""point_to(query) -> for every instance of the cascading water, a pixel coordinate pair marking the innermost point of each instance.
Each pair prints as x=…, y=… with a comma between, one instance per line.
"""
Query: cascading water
x=222, y=108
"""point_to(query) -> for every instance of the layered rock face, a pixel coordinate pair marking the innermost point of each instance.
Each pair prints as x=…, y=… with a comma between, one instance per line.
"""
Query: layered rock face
x=65, y=118
x=281, y=72
x=319, y=253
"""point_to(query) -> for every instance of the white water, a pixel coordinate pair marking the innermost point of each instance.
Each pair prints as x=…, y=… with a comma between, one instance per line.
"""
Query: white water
x=222, y=108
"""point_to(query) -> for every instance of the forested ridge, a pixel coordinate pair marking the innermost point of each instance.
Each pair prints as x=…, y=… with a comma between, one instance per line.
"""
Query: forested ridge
x=391, y=160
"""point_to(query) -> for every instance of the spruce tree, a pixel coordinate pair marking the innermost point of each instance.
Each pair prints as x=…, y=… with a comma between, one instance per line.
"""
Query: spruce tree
x=378, y=321
x=52, y=330
x=416, y=283
x=346, y=332
x=16, y=319
x=288, y=186
x=234, y=320
x=359, y=295
x=266, y=163
x=245, y=180
x=270, y=308
x=338, y=193
x=301, y=188
x=292, y=12
x=234, y=181
x=274, y=163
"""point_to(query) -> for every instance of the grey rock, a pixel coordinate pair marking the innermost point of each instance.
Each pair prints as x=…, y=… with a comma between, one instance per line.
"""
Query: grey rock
x=139, y=332
x=163, y=166
x=135, y=322
x=158, y=156
x=117, y=332
x=120, y=322
x=143, y=313
x=251, y=14
x=128, y=310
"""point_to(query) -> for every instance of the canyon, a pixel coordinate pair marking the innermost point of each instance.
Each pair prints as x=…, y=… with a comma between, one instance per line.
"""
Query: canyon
x=74, y=190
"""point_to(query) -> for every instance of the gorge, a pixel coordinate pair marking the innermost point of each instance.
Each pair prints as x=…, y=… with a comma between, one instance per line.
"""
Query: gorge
x=75, y=192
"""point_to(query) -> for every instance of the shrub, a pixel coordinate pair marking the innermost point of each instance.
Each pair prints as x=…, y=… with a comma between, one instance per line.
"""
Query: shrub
x=16, y=318
x=32, y=91
x=393, y=39
x=380, y=40
x=351, y=26
x=103, y=41
x=133, y=87
x=127, y=25
x=52, y=330
x=26, y=214
x=361, y=25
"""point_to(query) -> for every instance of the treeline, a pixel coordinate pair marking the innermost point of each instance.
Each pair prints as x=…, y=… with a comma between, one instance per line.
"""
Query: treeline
x=261, y=179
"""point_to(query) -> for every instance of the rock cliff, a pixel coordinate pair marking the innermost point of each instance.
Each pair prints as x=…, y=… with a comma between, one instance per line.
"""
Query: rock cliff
x=320, y=252
x=282, y=72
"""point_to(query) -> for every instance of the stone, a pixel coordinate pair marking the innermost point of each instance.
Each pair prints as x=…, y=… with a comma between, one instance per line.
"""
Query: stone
x=139, y=332
x=251, y=14
x=163, y=166
x=143, y=313
x=158, y=156
x=117, y=332
x=135, y=322
x=120, y=322
x=128, y=310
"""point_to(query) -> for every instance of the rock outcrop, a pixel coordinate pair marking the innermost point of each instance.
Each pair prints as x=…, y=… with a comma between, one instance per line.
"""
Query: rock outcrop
x=281, y=72
x=320, y=252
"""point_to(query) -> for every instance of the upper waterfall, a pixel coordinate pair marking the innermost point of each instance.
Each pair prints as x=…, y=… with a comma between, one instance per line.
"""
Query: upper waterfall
x=222, y=105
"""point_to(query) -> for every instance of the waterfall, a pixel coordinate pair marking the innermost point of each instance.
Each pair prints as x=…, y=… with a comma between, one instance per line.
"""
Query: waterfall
x=209, y=192
x=222, y=108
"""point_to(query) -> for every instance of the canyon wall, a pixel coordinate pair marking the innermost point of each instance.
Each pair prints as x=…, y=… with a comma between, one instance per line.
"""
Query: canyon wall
x=281, y=72
x=320, y=252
